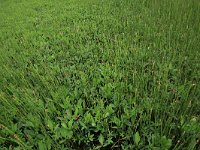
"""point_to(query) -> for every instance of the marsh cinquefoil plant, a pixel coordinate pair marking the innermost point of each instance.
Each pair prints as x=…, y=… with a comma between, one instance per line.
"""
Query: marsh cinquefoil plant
x=99, y=74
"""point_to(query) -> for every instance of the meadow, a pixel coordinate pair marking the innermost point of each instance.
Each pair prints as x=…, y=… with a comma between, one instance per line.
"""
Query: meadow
x=100, y=74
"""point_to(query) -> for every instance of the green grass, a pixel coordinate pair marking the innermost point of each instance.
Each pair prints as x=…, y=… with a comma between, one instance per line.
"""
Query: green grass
x=99, y=74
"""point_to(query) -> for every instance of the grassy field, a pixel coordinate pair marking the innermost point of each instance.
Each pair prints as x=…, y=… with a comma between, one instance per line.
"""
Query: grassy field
x=100, y=74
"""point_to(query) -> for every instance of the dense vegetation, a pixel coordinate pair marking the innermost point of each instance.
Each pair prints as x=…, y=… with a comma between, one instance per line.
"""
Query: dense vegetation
x=99, y=74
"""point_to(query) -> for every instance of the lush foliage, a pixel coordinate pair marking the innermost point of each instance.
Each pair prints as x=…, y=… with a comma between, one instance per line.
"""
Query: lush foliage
x=99, y=74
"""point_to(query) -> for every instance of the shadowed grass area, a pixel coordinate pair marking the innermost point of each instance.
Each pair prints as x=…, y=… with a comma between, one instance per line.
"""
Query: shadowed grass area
x=99, y=74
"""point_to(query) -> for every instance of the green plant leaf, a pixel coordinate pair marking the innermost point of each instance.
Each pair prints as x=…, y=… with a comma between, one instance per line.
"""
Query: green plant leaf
x=41, y=146
x=101, y=139
x=66, y=133
x=136, y=138
x=64, y=125
x=165, y=143
x=50, y=124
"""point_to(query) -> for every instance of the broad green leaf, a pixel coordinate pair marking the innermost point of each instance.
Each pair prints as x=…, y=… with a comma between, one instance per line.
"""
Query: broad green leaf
x=64, y=125
x=41, y=146
x=136, y=138
x=50, y=124
x=101, y=139
x=66, y=133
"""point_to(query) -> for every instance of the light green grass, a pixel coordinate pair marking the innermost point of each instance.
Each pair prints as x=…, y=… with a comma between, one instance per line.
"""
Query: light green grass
x=99, y=74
